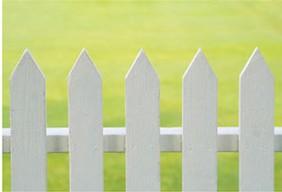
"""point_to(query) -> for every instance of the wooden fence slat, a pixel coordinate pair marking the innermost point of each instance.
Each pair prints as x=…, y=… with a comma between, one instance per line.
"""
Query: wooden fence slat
x=199, y=149
x=142, y=127
x=85, y=126
x=114, y=139
x=256, y=140
x=28, y=126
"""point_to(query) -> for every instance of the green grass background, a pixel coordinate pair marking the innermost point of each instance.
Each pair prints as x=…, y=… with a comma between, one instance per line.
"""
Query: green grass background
x=170, y=32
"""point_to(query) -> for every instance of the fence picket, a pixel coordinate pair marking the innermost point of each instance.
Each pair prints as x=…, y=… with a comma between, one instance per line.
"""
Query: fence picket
x=199, y=151
x=85, y=124
x=141, y=139
x=256, y=141
x=142, y=127
x=28, y=126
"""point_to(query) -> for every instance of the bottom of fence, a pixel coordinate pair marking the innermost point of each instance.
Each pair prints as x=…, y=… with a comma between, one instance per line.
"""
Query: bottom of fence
x=114, y=139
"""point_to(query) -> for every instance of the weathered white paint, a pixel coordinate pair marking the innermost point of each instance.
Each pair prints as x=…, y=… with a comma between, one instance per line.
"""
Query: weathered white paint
x=86, y=129
x=256, y=126
x=142, y=127
x=114, y=139
x=28, y=126
x=199, y=120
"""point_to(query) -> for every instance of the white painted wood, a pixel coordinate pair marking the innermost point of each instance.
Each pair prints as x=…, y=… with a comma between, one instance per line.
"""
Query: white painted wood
x=28, y=126
x=142, y=127
x=256, y=126
x=199, y=155
x=86, y=129
x=114, y=139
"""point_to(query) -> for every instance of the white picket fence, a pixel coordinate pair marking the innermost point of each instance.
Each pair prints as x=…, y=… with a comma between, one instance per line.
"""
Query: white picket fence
x=142, y=140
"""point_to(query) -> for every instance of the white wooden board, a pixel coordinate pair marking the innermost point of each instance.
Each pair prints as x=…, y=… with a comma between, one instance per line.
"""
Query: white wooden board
x=28, y=126
x=86, y=129
x=199, y=149
x=142, y=127
x=256, y=141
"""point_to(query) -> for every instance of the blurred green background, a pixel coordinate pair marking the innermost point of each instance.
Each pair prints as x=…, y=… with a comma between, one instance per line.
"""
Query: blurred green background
x=170, y=32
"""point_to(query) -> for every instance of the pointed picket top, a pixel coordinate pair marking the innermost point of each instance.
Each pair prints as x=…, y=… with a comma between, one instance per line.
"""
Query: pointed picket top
x=198, y=64
x=256, y=120
x=142, y=126
x=140, y=67
x=85, y=124
x=256, y=65
x=28, y=126
x=26, y=63
x=199, y=122
x=84, y=66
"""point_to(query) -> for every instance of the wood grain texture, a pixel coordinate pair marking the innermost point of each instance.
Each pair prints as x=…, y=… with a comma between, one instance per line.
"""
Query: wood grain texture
x=28, y=126
x=256, y=141
x=199, y=155
x=142, y=127
x=85, y=126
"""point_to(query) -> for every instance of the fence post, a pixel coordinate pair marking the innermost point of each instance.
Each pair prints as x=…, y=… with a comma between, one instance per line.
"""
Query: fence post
x=85, y=126
x=256, y=140
x=28, y=126
x=199, y=150
x=142, y=127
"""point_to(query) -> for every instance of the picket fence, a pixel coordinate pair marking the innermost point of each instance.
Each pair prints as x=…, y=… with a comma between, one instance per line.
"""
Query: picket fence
x=142, y=140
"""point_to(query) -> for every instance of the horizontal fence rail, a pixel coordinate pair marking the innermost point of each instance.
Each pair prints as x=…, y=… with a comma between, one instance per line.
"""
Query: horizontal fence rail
x=142, y=139
x=114, y=139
